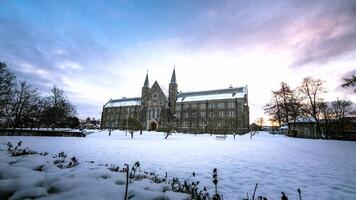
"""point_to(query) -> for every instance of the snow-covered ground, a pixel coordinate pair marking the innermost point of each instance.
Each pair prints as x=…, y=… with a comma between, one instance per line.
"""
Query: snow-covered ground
x=46, y=177
x=322, y=169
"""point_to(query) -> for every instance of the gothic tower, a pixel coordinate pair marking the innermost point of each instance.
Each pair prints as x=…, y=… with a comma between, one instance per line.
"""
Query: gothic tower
x=173, y=89
x=145, y=92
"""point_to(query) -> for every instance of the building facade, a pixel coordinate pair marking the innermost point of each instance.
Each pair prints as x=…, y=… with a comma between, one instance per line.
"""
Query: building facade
x=223, y=111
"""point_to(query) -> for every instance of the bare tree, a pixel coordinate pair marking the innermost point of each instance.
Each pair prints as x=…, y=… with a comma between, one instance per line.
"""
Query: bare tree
x=285, y=94
x=133, y=125
x=231, y=124
x=170, y=123
x=192, y=117
x=25, y=106
x=311, y=91
x=259, y=123
x=350, y=82
x=208, y=123
x=169, y=130
x=113, y=120
x=142, y=113
x=21, y=105
x=342, y=109
x=7, y=82
x=57, y=109
x=273, y=108
x=282, y=103
x=294, y=109
x=327, y=113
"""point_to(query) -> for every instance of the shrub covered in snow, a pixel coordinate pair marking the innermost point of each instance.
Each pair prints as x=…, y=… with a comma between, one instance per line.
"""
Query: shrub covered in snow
x=19, y=151
x=64, y=161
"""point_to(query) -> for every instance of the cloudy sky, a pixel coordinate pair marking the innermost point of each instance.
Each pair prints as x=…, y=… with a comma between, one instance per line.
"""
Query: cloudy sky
x=97, y=50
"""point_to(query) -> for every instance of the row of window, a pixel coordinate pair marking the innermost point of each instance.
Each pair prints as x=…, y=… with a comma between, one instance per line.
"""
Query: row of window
x=203, y=124
x=202, y=106
x=187, y=124
x=203, y=114
x=123, y=109
x=111, y=117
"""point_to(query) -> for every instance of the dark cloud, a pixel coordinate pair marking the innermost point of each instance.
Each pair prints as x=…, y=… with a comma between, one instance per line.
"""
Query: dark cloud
x=337, y=39
x=46, y=49
x=234, y=24
x=249, y=24
x=40, y=55
x=324, y=49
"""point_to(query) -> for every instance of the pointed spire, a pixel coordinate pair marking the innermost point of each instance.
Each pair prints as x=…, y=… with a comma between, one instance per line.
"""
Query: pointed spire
x=146, y=84
x=173, y=79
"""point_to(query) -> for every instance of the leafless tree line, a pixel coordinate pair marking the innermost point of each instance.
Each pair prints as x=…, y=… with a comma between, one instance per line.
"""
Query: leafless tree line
x=287, y=105
x=21, y=105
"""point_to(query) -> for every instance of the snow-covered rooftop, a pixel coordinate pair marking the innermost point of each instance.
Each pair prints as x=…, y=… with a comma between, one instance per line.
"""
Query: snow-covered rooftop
x=304, y=120
x=230, y=93
x=123, y=102
x=285, y=127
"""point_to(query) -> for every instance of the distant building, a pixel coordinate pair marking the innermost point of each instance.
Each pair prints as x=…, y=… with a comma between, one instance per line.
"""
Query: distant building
x=90, y=123
x=303, y=127
x=344, y=128
x=212, y=111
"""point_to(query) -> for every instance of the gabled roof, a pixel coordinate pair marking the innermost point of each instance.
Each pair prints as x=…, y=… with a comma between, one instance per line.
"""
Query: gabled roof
x=229, y=93
x=161, y=87
x=164, y=90
x=136, y=101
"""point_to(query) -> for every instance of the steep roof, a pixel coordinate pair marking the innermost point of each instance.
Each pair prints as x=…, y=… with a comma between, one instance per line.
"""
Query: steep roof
x=136, y=101
x=146, y=84
x=229, y=93
x=173, y=79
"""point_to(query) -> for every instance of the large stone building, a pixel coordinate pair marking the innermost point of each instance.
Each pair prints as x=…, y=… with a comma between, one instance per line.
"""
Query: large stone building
x=212, y=111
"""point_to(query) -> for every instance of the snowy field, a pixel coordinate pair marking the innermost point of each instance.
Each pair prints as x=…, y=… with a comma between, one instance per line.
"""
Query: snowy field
x=322, y=169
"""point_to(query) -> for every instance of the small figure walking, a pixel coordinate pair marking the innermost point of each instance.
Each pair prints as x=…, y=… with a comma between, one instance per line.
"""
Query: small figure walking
x=284, y=197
